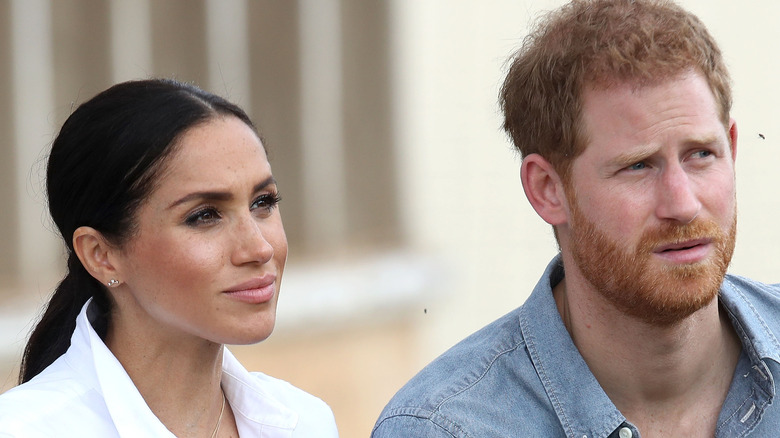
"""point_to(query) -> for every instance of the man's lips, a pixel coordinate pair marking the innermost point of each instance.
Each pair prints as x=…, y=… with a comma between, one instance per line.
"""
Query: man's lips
x=686, y=252
x=681, y=246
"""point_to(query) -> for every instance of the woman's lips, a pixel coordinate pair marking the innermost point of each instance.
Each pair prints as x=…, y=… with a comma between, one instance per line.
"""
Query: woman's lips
x=255, y=291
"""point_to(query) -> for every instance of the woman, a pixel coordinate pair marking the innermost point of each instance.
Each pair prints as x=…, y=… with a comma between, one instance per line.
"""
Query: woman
x=165, y=199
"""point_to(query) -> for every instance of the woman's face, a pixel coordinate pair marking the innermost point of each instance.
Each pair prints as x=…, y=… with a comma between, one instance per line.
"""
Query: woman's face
x=209, y=250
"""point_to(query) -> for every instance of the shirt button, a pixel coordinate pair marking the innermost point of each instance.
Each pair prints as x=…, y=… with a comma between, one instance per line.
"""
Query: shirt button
x=625, y=433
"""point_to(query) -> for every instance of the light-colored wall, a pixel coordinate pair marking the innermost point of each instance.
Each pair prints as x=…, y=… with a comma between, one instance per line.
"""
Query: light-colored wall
x=463, y=182
x=467, y=246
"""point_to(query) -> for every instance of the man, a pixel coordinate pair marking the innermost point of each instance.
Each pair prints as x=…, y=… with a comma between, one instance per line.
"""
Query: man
x=621, y=111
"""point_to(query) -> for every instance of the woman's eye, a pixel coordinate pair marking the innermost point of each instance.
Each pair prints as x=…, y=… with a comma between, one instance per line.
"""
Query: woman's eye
x=202, y=217
x=266, y=202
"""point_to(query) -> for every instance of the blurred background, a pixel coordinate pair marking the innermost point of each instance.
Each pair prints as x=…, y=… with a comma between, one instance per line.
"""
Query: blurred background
x=402, y=203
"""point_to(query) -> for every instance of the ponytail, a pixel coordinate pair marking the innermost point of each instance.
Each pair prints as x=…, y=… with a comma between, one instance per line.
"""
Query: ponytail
x=51, y=336
x=103, y=164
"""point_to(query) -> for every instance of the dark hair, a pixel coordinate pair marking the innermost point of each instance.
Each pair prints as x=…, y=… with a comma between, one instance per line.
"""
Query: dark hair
x=103, y=164
x=600, y=43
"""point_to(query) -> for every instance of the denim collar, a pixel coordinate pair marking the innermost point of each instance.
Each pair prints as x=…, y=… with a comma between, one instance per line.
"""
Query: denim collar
x=746, y=318
x=582, y=406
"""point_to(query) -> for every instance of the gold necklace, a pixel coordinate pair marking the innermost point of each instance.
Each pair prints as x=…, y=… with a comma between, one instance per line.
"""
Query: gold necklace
x=219, y=420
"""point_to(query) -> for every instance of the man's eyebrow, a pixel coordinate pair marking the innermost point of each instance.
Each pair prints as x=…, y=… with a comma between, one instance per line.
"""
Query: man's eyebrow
x=219, y=196
x=644, y=153
x=629, y=158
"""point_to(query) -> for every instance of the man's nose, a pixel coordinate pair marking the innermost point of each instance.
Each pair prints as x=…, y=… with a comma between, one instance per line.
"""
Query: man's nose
x=676, y=196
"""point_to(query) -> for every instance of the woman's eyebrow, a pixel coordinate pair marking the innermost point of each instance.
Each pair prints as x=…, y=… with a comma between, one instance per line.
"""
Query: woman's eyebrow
x=219, y=195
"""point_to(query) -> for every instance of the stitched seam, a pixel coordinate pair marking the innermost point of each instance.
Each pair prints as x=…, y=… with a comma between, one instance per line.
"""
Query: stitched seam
x=453, y=426
x=749, y=345
x=481, y=376
x=437, y=409
x=755, y=312
x=529, y=340
x=437, y=419
x=734, y=414
x=243, y=384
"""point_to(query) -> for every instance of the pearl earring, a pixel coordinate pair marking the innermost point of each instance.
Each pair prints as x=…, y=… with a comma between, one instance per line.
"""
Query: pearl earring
x=113, y=282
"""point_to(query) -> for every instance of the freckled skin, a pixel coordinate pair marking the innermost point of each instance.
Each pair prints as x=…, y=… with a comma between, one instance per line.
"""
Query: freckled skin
x=185, y=255
x=658, y=169
x=646, y=233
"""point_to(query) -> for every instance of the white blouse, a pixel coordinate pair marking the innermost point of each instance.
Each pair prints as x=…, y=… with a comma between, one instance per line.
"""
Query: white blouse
x=87, y=393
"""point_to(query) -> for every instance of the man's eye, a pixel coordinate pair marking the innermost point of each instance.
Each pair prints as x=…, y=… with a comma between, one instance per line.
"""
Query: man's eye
x=637, y=166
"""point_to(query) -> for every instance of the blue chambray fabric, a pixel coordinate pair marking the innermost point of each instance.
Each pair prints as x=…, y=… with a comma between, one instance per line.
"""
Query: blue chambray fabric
x=522, y=376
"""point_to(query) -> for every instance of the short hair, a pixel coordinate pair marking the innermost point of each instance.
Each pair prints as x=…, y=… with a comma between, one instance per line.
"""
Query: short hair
x=600, y=43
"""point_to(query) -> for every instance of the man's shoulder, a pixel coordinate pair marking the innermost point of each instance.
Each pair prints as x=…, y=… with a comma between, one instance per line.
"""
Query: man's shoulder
x=475, y=381
x=465, y=363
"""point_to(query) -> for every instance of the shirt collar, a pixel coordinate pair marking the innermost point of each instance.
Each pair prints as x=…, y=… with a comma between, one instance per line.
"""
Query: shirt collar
x=258, y=413
x=758, y=341
x=582, y=406
x=129, y=412
x=746, y=317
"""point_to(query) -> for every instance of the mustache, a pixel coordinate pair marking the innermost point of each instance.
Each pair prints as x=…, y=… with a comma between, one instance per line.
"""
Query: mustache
x=676, y=234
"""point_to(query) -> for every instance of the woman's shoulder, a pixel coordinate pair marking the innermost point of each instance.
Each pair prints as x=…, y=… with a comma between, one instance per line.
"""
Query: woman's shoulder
x=54, y=386
x=54, y=403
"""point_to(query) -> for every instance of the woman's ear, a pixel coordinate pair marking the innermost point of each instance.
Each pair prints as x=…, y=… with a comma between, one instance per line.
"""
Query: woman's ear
x=733, y=138
x=544, y=189
x=95, y=254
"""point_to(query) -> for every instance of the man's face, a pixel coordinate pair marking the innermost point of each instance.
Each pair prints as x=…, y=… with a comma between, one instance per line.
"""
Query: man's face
x=651, y=201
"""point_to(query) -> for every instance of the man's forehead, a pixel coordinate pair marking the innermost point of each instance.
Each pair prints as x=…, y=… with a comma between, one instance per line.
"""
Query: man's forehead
x=632, y=119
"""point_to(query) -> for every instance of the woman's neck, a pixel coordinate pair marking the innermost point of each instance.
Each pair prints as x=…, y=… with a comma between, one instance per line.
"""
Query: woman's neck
x=178, y=377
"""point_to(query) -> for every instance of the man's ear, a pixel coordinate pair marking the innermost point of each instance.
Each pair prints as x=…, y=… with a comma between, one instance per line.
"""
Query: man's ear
x=96, y=254
x=544, y=189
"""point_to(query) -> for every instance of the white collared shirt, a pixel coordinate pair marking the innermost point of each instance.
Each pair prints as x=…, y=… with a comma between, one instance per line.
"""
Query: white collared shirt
x=87, y=393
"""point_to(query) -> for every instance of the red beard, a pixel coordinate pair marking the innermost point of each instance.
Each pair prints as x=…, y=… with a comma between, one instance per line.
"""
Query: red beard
x=630, y=280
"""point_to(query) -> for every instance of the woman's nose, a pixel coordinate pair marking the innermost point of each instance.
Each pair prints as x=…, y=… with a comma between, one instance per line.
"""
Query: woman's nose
x=251, y=245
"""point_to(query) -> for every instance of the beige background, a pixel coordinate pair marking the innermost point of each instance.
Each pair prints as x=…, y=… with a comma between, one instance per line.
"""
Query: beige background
x=403, y=206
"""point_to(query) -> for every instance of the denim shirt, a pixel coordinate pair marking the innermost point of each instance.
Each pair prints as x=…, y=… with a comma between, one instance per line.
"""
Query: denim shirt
x=522, y=376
